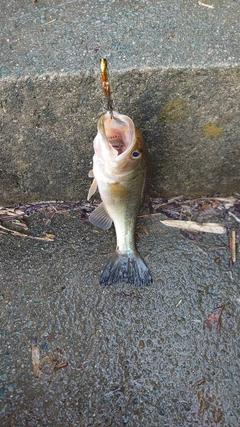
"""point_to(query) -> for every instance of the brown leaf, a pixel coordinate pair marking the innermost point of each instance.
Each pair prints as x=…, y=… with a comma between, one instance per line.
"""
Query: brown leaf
x=199, y=382
x=214, y=318
x=144, y=229
x=217, y=415
x=209, y=208
x=203, y=403
x=124, y=295
x=50, y=236
x=191, y=235
x=54, y=360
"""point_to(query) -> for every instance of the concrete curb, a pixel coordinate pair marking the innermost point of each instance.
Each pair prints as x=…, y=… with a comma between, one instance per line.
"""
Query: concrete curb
x=177, y=77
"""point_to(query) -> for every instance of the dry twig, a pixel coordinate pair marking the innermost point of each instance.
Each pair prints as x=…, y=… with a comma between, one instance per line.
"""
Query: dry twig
x=5, y=230
x=233, y=245
x=205, y=5
x=36, y=358
x=207, y=227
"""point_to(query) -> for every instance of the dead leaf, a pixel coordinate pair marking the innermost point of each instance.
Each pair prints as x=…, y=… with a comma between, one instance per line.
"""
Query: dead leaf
x=217, y=415
x=191, y=235
x=53, y=361
x=209, y=208
x=50, y=236
x=203, y=403
x=171, y=210
x=124, y=295
x=214, y=318
x=144, y=228
x=199, y=382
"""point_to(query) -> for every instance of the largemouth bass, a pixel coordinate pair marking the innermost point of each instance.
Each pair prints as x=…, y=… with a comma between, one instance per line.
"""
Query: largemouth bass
x=120, y=165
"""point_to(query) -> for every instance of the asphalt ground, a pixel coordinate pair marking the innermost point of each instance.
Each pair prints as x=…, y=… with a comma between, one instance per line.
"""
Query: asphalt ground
x=54, y=36
x=76, y=354
x=73, y=353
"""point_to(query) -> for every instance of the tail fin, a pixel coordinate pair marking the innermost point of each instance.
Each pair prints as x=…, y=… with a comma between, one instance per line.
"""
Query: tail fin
x=128, y=268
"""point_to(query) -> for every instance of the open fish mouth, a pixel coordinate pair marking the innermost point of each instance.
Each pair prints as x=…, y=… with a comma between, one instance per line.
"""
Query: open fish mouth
x=117, y=143
x=117, y=133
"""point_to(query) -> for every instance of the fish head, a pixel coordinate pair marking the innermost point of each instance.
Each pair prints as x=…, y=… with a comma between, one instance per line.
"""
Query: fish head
x=119, y=146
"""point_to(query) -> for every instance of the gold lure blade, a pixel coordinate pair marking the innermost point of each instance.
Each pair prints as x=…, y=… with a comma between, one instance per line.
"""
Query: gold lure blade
x=106, y=84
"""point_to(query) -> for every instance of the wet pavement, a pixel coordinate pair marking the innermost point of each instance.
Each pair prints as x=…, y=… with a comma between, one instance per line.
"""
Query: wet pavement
x=73, y=353
x=120, y=355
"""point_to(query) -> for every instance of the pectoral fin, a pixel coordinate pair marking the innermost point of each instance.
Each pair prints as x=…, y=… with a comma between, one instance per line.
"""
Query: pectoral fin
x=92, y=189
x=100, y=217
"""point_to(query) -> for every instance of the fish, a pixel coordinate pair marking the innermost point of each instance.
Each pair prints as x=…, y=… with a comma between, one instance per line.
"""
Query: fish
x=120, y=170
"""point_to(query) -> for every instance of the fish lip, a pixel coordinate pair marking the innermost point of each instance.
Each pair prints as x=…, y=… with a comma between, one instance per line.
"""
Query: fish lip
x=128, y=138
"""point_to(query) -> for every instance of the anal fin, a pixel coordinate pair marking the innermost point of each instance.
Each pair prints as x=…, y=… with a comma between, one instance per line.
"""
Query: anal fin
x=100, y=217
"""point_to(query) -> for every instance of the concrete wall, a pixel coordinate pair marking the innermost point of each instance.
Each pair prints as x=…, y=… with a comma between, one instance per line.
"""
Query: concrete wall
x=175, y=72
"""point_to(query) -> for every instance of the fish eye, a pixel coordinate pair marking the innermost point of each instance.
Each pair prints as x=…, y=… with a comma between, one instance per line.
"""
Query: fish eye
x=135, y=154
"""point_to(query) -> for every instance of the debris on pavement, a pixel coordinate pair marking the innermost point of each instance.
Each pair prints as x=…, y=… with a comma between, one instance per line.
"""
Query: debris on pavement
x=16, y=216
x=179, y=303
x=206, y=227
x=23, y=211
x=203, y=403
x=219, y=215
x=208, y=401
x=199, y=382
x=35, y=358
x=124, y=295
x=4, y=230
x=233, y=245
x=53, y=361
x=214, y=318
x=191, y=235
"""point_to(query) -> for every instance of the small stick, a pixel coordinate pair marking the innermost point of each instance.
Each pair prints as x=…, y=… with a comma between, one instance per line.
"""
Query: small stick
x=17, y=233
x=151, y=214
x=62, y=365
x=205, y=227
x=49, y=22
x=179, y=302
x=106, y=84
x=206, y=5
x=233, y=246
x=234, y=216
x=35, y=358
